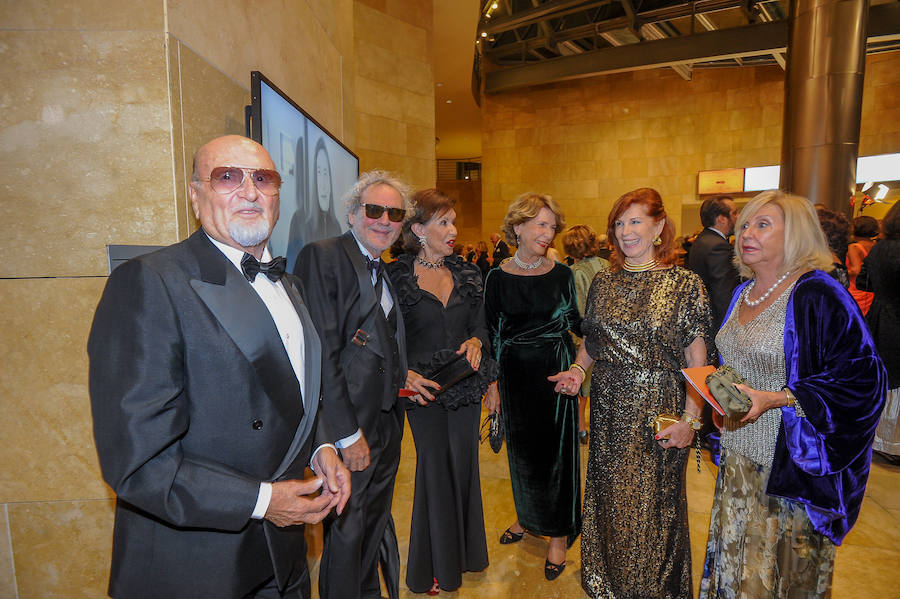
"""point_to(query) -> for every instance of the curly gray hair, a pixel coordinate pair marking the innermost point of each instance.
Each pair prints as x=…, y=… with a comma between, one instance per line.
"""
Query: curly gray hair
x=353, y=197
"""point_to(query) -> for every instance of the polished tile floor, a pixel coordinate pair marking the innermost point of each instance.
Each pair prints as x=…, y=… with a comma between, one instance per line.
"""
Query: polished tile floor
x=867, y=564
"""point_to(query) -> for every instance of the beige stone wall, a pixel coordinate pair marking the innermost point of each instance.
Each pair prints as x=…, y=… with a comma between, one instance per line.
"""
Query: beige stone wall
x=395, y=88
x=588, y=141
x=102, y=107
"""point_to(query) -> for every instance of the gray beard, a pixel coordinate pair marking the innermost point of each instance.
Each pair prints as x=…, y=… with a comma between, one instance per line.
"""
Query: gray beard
x=249, y=235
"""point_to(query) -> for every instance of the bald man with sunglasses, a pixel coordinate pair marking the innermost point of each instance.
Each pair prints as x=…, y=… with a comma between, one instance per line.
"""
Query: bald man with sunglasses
x=205, y=379
x=364, y=366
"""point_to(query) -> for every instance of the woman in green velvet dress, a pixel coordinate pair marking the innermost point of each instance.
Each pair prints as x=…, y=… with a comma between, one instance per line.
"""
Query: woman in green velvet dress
x=530, y=306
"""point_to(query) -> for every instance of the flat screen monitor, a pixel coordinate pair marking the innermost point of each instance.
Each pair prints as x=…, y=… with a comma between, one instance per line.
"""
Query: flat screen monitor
x=316, y=169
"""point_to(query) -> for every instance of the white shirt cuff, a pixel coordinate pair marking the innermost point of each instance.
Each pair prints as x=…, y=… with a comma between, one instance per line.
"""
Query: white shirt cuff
x=348, y=441
x=262, y=501
x=313, y=458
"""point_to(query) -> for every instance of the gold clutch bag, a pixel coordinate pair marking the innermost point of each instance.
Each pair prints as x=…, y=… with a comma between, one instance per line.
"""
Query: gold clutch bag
x=662, y=421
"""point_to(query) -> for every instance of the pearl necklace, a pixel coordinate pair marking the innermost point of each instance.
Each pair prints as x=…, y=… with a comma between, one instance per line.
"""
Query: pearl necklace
x=433, y=265
x=527, y=265
x=639, y=267
x=765, y=295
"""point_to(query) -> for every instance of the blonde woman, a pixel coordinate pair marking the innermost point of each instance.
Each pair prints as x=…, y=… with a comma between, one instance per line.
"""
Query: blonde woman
x=530, y=307
x=793, y=470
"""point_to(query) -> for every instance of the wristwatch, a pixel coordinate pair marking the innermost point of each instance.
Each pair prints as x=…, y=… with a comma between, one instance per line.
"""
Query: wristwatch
x=696, y=423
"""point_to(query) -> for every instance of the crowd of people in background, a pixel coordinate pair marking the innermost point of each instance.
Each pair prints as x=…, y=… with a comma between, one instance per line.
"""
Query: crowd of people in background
x=216, y=378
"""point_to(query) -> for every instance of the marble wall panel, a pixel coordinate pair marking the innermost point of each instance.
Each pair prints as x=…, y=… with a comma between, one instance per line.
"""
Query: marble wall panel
x=211, y=104
x=91, y=15
x=376, y=25
x=7, y=572
x=413, y=73
x=62, y=549
x=290, y=47
x=88, y=129
x=45, y=415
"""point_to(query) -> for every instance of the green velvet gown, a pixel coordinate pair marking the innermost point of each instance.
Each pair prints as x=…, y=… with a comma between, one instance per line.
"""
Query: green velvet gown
x=529, y=318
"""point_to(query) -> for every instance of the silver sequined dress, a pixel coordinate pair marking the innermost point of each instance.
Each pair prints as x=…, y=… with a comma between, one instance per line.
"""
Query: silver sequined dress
x=759, y=546
x=635, y=541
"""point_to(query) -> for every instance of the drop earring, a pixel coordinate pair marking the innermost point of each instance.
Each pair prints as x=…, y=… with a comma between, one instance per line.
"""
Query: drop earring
x=422, y=241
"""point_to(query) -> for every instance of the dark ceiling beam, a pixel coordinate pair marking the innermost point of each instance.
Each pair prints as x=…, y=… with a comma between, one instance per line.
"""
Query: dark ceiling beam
x=750, y=40
x=547, y=10
x=591, y=29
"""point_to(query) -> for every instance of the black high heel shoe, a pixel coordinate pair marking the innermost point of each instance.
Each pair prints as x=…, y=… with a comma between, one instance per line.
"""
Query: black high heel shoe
x=552, y=571
x=583, y=437
x=509, y=537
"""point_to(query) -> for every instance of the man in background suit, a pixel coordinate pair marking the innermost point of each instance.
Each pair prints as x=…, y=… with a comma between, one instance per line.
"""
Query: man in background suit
x=364, y=348
x=501, y=250
x=711, y=256
x=204, y=378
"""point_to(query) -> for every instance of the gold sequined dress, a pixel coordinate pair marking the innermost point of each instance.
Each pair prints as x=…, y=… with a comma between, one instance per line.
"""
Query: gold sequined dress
x=635, y=541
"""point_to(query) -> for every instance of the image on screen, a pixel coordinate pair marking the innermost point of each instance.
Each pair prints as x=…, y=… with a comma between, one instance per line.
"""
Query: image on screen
x=316, y=170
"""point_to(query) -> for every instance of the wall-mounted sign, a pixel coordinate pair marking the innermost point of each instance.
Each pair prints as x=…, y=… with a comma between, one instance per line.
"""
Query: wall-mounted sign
x=729, y=180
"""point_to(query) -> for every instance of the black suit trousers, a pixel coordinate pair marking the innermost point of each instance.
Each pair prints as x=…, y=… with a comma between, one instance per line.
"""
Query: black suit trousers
x=349, y=566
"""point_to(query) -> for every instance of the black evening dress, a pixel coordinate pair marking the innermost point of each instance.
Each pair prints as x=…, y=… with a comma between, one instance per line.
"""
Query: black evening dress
x=635, y=542
x=529, y=318
x=447, y=531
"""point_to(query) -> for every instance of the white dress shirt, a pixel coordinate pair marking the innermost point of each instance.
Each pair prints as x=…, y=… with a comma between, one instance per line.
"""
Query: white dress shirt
x=290, y=329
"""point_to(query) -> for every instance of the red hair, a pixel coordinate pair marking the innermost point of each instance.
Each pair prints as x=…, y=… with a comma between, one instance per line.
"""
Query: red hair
x=652, y=203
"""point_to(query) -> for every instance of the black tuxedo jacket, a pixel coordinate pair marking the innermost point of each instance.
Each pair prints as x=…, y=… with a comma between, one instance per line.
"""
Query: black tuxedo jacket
x=501, y=253
x=342, y=301
x=195, y=403
x=711, y=257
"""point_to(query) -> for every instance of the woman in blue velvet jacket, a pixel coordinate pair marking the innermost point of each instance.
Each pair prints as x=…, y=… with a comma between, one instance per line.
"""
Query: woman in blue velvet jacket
x=793, y=470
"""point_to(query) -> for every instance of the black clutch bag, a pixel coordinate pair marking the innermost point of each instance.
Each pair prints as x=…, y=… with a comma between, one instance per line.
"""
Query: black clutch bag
x=492, y=431
x=451, y=372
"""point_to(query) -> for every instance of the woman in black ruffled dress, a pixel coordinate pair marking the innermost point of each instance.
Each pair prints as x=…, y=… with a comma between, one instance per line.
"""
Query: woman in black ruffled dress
x=440, y=297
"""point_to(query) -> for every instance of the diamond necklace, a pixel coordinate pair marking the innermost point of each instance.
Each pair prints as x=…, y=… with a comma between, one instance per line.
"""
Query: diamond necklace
x=527, y=265
x=765, y=295
x=434, y=265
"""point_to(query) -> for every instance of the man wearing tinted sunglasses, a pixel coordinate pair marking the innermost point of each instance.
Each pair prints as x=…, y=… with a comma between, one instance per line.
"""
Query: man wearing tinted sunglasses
x=205, y=378
x=352, y=304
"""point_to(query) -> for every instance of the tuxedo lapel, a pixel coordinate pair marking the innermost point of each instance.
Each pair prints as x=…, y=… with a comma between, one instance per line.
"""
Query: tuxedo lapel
x=312, y=373
x=400, y=333
x=244, y=316
x=368, y=303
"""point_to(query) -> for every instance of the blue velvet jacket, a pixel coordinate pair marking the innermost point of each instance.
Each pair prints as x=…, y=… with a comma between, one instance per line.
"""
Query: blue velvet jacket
x=822, y=460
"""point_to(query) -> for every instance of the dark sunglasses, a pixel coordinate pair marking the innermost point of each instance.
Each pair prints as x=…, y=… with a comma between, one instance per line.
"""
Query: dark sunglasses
x=225, y=179
x=374, y=211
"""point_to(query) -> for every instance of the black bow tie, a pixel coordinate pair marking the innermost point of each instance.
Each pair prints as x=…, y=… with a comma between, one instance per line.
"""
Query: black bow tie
x=252, y=267
x=374, y=266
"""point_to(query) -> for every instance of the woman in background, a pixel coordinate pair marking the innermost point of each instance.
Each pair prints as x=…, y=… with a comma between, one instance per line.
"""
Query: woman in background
x=581, y=242
x=440, y=297
x=793, y=470
x=865, y=231
x=837, y=233
x=530, y=306
x=645, y=319
x=880, y=274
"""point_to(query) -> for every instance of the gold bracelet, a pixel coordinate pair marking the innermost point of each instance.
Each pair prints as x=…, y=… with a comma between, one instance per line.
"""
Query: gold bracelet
x=581, y=368
x=696, y=423
x=789, y=396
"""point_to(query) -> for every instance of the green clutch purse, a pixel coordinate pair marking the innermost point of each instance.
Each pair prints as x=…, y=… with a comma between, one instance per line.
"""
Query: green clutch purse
x=721, y=384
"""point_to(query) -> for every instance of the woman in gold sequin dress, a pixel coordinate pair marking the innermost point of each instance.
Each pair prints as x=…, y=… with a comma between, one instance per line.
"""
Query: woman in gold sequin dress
x=793, y=471
x=645, y=319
